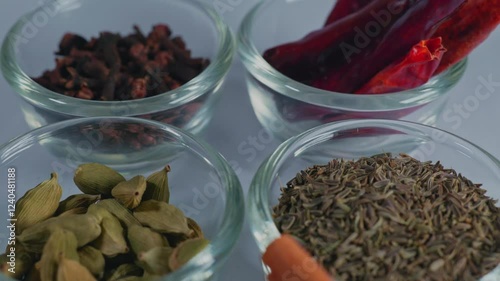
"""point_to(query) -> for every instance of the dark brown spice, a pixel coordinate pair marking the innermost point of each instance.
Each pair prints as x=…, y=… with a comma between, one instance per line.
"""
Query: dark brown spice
x=118, y=68
x=392, y=218
x=114, y=67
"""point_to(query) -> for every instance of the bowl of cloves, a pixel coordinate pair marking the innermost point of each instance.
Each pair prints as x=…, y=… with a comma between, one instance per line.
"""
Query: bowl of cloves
x=159, y=60
x=158, y=218
x=429, y=211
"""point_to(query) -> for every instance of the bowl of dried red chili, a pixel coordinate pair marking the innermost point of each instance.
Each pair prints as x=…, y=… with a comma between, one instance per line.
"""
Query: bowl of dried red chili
x=308, y=64
x=159, y=60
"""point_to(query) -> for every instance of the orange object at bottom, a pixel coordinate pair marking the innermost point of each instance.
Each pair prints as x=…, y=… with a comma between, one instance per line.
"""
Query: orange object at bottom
x=289, y=261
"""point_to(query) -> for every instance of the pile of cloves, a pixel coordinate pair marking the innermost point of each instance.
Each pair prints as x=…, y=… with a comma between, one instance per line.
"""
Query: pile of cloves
x=116, y=68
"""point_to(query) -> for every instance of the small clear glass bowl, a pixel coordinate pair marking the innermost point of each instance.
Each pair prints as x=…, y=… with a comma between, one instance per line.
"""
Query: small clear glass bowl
x=202, y=184
x=347, y=140
x=28, y=50
x=286, y=107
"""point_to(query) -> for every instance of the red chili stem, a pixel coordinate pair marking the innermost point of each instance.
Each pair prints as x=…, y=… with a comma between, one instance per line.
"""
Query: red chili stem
x=414, y=70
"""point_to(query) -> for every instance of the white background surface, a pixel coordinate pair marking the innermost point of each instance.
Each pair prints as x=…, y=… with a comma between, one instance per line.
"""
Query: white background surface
x=234, y=123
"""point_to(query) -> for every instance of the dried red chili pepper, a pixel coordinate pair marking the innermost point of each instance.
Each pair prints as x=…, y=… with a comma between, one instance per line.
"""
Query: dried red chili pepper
x=468, y=28
x=414, y=70
x=323, y=49
x=419, y=23
x=344, y=8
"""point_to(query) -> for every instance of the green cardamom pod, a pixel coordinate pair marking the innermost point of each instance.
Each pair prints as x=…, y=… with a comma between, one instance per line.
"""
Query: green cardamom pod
x=85, y=227
x=70, y=270
x=99, y=212
x=142, y=239
x=111, y=242
x=93, y=260
x=196, y=229
x=95, y=178
x=155, y=261
x=157, y=186
x=185, y=251
x=77, y=201
x=62, y=243
x=74, y=211
x=118, y=210
x=125, y=270
x=38, y=204
x=129, y=193
x=162, y=217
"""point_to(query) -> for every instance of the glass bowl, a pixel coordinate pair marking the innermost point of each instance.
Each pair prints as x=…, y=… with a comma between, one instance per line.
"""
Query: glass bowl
x=202, y=184
x=28, y=50
x=347, y=140
x=286, y=107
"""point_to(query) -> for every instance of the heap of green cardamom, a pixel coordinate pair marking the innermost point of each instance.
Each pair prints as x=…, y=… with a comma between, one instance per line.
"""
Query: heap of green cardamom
x=117, y=230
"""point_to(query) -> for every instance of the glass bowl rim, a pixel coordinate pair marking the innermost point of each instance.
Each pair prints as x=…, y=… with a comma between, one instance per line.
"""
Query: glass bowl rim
x=212, y=257
x=24, y=86
x=262, y=225
x=259, y=68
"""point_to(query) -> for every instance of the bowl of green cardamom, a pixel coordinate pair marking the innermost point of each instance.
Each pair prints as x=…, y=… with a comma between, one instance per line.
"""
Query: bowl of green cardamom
x=174, y=215
x=392, y=211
